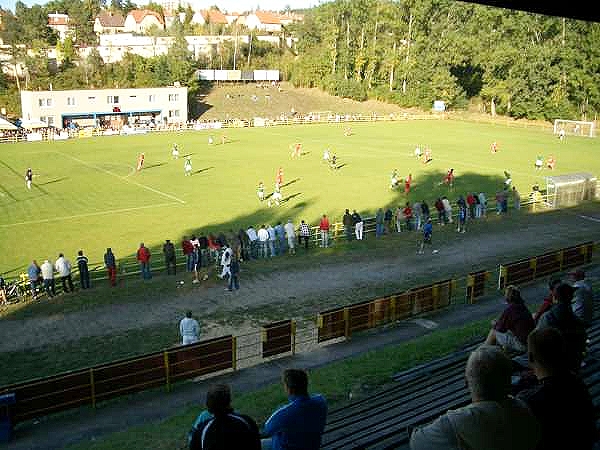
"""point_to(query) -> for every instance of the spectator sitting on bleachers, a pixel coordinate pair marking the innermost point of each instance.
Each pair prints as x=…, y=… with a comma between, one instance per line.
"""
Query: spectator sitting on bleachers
x=300, y=423
x=220, y=427
x=493, y=421
x=560, y=400
x=548, y=301
x=582, y=297
x=561, y=317
x=511, y=329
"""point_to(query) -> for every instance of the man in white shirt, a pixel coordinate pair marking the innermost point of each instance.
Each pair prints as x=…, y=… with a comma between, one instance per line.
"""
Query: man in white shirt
x=290, y=234
x=226, y=262
x=253, y=237
x=272, y=238
x=63, y=267
x=263, y=239
x=48, y=277
x=189, y=329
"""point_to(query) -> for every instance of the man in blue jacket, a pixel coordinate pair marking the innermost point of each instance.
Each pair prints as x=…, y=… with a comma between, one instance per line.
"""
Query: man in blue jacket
x=299, y=424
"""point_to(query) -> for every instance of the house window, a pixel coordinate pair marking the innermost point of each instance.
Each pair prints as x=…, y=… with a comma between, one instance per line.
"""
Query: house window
x=70, y=101
x=49, y=120
x=152, y=98
x=133, y=96
x=45, y=102
x=173, y=97
x=91, y=99
x=174, y=113
x=112, y=99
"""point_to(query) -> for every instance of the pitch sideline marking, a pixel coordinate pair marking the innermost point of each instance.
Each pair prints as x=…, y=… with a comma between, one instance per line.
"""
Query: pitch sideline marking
x=76, y=216
x=127, y=180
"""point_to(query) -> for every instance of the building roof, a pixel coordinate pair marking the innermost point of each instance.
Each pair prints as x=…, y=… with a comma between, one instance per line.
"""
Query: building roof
x=267, y=17
x=140, y=14
x=58, y=19
x=214, y=16
x=111, y=19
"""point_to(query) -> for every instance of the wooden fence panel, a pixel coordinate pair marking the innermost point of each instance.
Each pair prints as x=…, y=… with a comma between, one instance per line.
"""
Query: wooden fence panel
x=422, y=299
x=50, y=395
x=442, y=292
x=577, y=255
x=127, y=376
x=548, y=263
x=382, y=310
x=516, y=273
x=403, y=306
x=277, y=338
x=359, y=317
x=202, y=358
x=331, y=324
x=476, y=285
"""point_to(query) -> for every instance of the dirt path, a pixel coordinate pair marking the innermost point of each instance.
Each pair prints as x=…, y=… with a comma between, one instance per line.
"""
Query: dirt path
x=310, y=289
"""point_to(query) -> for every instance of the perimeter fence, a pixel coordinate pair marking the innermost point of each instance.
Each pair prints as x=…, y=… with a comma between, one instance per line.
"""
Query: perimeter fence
x=209, y=358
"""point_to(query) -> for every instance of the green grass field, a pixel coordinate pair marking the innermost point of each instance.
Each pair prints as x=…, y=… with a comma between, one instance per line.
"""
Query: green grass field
x=87, y=194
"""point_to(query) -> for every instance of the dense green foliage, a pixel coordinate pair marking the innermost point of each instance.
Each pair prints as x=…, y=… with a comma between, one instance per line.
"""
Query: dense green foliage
x=414, y=52
x=409, y=53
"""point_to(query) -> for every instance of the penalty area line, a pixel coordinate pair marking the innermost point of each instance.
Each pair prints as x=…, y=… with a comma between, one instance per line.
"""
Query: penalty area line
x=593, y=219
x=77, y=216
x=127, y=180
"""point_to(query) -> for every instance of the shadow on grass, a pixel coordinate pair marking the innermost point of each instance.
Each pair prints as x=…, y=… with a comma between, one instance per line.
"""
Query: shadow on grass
x=202, y=170
x=58, y=180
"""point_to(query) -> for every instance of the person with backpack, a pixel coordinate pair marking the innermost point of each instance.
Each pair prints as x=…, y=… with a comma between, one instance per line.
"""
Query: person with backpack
x=219, y=427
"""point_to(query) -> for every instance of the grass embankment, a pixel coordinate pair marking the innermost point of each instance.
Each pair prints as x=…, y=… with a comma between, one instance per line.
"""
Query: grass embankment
x=360, y=375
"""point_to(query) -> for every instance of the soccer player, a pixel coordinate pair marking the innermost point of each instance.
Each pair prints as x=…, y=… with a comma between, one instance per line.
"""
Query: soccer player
x=449, y=178
x=140, y=161
x=175, y=152
x=561, y=134
x=279, y=177
x=427, y=157
x=297, y=149
x=326, y=156
x=394, y=179
x=210, y=140
x=187, y=166
x=261, y=191
x=277, y=197
x=223, y=139
x=551, y=162
x=418, y=152
x=333, y=162
x=539, y=161
x=29, y=178
x=347, y=131
x=507, y=179
x=407, y=183
x=494, y=147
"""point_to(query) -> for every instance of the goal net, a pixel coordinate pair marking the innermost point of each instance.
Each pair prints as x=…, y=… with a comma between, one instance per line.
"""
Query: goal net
x=574, y=128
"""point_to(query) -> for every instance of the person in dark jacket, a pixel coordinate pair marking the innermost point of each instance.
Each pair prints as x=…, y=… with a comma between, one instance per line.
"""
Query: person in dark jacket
x=111, y=266
x=170, y=259
x=560, y=401
x=84, y=273
x=220, y=427
x=348, y=225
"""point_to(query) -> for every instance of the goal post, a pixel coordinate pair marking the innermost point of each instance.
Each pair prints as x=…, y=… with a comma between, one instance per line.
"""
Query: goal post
x=574, y=128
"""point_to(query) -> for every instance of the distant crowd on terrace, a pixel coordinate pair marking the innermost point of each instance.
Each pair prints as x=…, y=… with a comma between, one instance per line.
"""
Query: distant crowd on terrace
x=203, y=252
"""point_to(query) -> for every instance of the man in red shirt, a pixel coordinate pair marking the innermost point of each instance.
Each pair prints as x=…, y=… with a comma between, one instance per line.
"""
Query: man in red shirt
x=408, y=214
x=471, y=202
x=324, y=228
x=143, y=256
x=407, y=183
x=188, y=251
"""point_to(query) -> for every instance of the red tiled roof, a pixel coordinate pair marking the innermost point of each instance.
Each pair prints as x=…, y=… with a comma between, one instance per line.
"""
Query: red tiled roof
x=139, y=15
x=214, y=16
x=111, y=19
x=58, y=20
x=268, y=17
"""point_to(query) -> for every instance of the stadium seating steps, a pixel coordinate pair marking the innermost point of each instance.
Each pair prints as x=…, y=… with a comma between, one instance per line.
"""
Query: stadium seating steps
x=384, y=420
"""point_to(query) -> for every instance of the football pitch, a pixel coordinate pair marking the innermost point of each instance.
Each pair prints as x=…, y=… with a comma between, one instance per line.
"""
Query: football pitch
x=86, y=193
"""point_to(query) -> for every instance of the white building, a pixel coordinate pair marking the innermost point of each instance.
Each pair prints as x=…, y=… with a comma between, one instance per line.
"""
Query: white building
x=113, y=47
x=165, y=105
x=60, y=24
x=141, y=20
x=108, y=22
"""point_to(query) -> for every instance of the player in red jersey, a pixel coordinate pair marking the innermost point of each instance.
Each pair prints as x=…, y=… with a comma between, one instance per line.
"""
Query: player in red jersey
x=407, y=183
x=494, y=147
x=279, y=177
x=140, y=161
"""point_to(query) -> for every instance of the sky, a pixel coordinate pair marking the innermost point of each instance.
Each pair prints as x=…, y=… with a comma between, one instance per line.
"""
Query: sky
x=228, y=5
